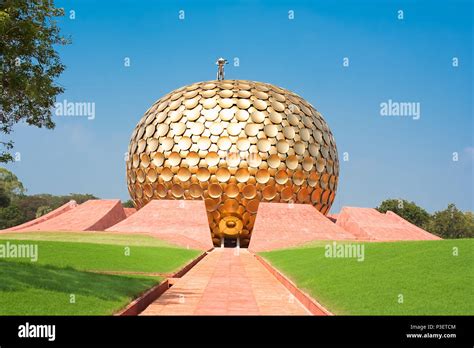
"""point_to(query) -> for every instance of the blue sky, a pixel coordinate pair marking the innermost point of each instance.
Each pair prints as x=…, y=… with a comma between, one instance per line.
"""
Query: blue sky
x=407, y=60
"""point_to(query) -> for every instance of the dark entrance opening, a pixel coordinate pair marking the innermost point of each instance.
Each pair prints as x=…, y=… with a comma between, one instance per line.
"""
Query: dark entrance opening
x=230, y=242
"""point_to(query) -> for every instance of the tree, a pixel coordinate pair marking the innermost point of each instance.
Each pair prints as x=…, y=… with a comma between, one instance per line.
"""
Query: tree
x=4, y=198
x=29, y=65
x=407, y=210
x=128, y=204
x=452, y=223
x=43, y=210
x=10, y=216
x=10, y=183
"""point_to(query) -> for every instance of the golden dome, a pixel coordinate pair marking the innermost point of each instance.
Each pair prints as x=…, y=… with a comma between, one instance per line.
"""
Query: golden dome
x=233, y=143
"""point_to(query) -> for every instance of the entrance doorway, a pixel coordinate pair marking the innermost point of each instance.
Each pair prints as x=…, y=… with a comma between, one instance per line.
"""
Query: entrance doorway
x=230, y=242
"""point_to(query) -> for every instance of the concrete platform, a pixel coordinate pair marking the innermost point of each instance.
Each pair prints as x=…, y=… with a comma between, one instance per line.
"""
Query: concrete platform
x=370, y=225
x=93, y=215
x=282, y=225
x=181, y=222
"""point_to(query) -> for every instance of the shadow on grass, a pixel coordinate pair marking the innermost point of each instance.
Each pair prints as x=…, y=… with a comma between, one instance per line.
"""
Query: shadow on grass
x=19, y=276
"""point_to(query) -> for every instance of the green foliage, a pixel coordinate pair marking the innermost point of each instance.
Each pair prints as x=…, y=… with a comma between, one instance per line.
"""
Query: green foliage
x=128, y=204
x=407, y=210
x=4, y=198
x=43, y=210
x=11, y=216
x=29, y=64
x=10, y=183
x=452, y=223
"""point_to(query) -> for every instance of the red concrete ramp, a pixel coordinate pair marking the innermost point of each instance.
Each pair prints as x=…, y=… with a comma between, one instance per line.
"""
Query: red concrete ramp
x=129, y=211
x=52, y=214
x=93, y=215
x=369, y=224
x=282, y=225
x=182, y=222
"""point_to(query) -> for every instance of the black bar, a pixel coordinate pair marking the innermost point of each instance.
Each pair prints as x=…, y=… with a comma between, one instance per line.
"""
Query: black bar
x=211, y=330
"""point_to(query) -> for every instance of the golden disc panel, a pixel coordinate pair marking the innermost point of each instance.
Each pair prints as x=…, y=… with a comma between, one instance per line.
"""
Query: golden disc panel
x=242, y=115
x=193, y=159
x=203, y=174
x=174, y=159
x=215, y=190
x=243, y=144
x=260, y=104
x=271, y=130
x=243, y=103
x=257, y=117
x=292, y=162
x=224, y=143
x=275, y=117
x=195, y=190
x=269, y=192
x=242, y=175
x=183, y=174
x=273, y=161
x=212, y=159
x=251, y=129
x=233, y=143
x=281, y=177
x=234, y=128
x=249, y=191
x=232, y=190
x=282, y=146
x=223, y=175
x=262, y=176
x=263, y=145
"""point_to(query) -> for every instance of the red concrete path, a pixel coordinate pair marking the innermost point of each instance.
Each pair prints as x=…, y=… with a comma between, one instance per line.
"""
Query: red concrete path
x=182, y=222
x=226, y=283
x=369, y=224
x=282, y=225
x=93, y=215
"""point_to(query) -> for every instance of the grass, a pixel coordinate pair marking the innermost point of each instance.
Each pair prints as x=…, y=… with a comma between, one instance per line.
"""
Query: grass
x=108, y=257
x=66, y=266
x=114, y=238
x=430, y=278
x=32, y=289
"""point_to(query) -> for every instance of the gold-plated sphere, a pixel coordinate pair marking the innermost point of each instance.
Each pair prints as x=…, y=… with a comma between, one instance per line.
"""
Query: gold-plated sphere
x=233, y=144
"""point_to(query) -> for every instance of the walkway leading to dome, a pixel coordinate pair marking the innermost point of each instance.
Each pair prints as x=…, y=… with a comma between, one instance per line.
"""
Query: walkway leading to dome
x=227, y=282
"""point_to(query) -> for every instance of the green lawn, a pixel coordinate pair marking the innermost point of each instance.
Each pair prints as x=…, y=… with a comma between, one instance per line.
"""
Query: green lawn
x=108, y=257
x=90, y=237
x=32, y=289
x=65, y=270
x=430, y=279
